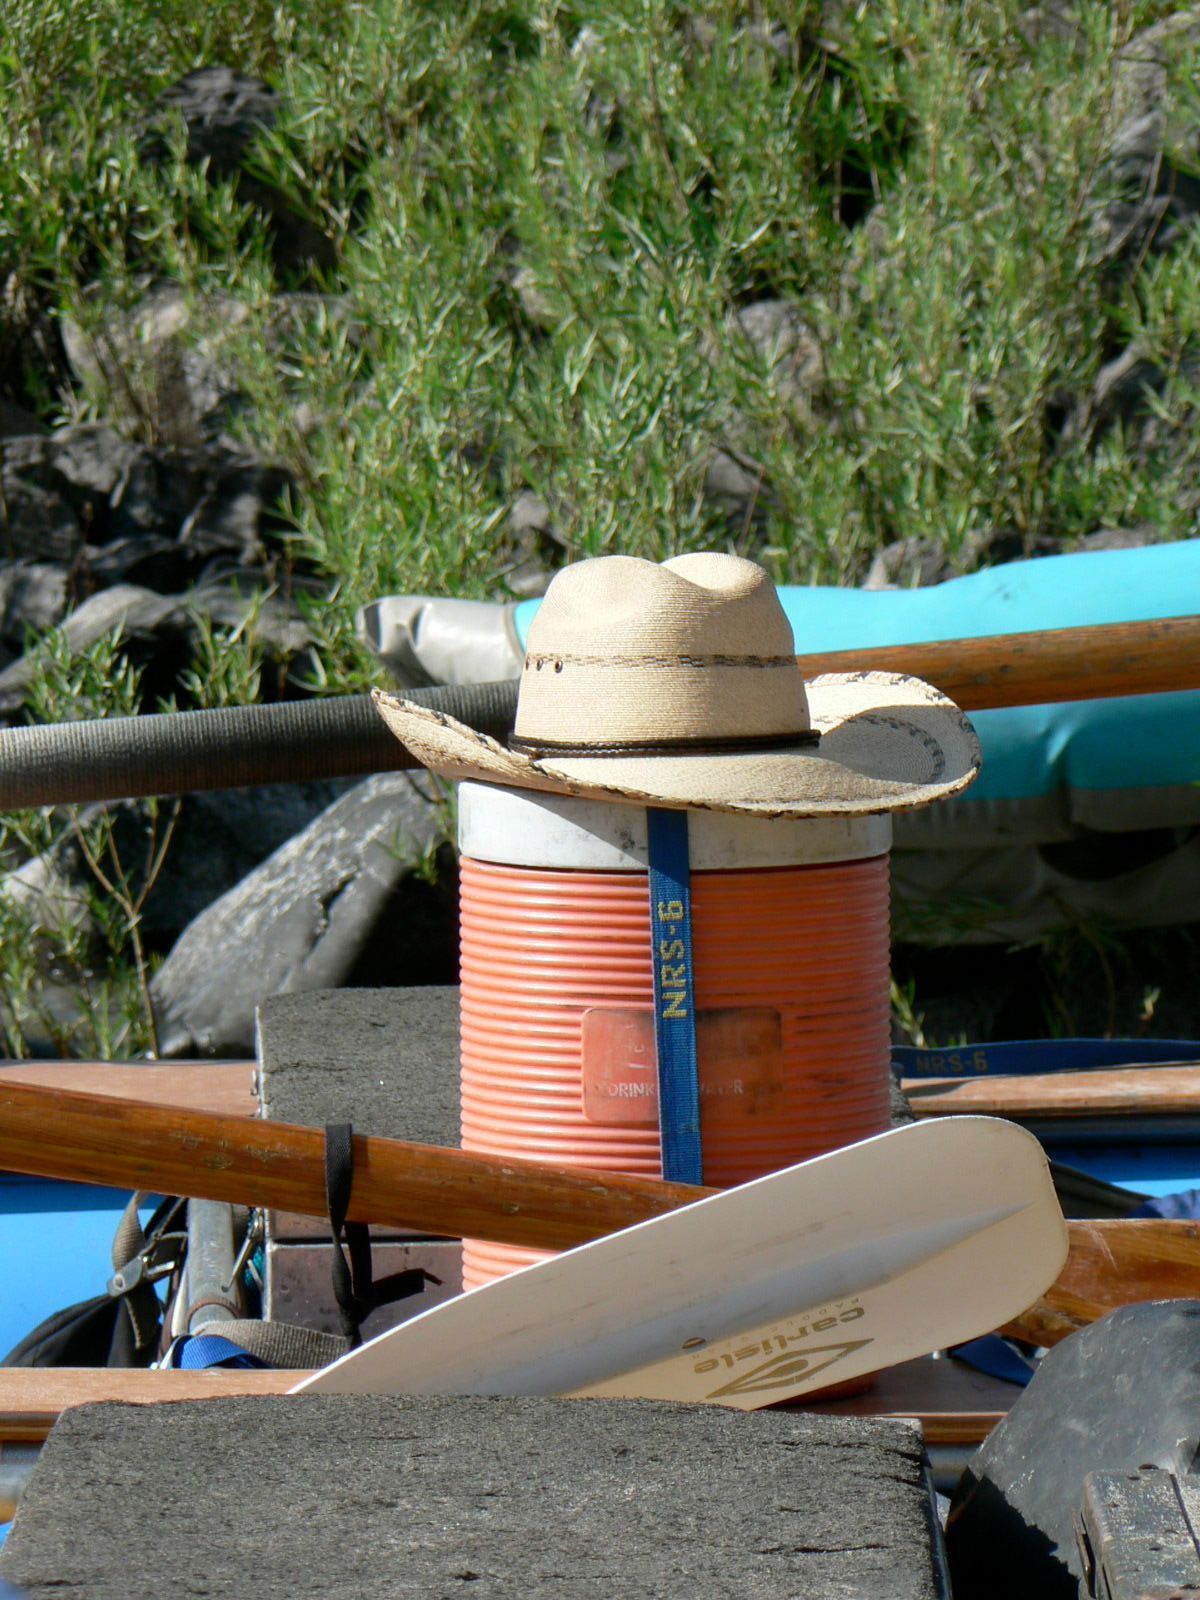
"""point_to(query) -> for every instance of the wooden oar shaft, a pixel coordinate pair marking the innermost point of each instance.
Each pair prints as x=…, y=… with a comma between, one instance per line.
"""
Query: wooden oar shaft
x=90, y=1138
x=1021, y=669
x=1111, y=1264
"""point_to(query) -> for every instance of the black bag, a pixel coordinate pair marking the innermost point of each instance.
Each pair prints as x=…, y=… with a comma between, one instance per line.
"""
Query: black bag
x=120, y=1328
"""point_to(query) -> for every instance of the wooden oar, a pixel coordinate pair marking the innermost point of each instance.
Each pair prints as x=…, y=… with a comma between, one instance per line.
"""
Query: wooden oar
x=91, y=1138
x=1023, y=669
x=1114, y=1264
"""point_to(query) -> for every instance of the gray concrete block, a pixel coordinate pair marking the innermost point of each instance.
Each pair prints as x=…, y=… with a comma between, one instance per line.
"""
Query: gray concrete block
x=299, y=1281
x=384, y=1059
x=537, y=1499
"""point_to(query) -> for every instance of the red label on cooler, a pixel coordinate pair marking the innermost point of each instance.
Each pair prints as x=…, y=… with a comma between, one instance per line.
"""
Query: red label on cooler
x=740, y=1064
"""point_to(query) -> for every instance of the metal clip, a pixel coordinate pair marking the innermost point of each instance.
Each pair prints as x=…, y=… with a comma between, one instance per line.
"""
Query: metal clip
x=244, y=1260
x=158, y=1260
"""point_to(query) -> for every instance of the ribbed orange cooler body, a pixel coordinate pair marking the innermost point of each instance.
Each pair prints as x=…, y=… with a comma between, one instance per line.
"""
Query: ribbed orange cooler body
x=790, y=990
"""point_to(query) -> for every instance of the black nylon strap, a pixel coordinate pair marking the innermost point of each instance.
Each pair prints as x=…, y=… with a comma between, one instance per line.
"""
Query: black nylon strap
x=354, y=1288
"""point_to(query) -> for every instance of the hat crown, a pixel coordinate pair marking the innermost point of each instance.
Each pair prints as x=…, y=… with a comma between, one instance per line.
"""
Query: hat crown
x=626, y=651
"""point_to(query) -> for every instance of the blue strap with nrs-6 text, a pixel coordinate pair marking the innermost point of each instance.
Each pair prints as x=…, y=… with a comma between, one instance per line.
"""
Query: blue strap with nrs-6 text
x=674, y=995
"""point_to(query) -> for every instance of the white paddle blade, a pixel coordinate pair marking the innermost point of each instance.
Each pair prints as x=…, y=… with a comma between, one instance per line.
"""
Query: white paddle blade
x=874, y=1254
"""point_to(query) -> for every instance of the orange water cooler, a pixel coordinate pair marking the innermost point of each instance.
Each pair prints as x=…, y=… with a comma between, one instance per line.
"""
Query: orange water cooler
x=790, y=946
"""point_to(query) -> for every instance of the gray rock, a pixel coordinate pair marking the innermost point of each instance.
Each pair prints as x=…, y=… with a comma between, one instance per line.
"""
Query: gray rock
x=736, y=482
x=1120, y=538
x=16, y=421
x=218, y=837
x=74, y=495
x=37, y=518
x=48, y=893
x=915, y=563
x=786, y=344
x=543, y=308
x=271, y=1497
x=228, y=518
x=777, y=338
x=219, y=111
x=240, y=598
x=1120, y=1394
x=126, y=609
x=139, y=364
x=161, y=626
x=912, y=563
x=169, y=364
x=1153, y=155
x=33, y=596
x=1053, y=19
x=1131, y=392
x=532, y=547
x=327, y=906
x=221, y=836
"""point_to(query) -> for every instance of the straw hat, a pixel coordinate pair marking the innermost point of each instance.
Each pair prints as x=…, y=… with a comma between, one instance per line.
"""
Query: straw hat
x=677, y=685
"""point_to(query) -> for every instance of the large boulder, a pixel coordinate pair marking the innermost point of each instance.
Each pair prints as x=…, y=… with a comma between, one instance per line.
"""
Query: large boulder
x=354, y=897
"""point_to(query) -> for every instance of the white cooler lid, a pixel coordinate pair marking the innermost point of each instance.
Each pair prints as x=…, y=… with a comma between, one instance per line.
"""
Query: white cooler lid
x=520, y=827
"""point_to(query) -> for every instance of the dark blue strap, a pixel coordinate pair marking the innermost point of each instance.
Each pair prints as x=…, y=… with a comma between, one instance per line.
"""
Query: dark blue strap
x=674, y=996
x=1182, y=1206
x=211, y=1350
x=1020, y=1056
x=996, y=1357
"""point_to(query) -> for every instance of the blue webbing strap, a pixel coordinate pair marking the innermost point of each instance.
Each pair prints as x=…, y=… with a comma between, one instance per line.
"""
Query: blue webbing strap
x=674, y=999
x=201, y=1350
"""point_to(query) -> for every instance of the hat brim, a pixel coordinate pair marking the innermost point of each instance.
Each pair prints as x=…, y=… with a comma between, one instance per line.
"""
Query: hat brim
x=888, y=743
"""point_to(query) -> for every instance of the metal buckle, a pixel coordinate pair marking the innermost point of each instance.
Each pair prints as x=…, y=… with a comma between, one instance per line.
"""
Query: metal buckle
x=158, y=1260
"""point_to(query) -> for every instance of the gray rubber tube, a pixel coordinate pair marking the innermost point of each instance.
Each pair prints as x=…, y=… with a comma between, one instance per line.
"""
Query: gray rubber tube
x=123, y=758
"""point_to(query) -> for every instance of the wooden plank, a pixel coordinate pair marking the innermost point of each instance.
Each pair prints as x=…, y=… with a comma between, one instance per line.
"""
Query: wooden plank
x=444, y=1192
x=1153, y=1091
x=32, y=1397
x=226, y=1088
x=953, y=1404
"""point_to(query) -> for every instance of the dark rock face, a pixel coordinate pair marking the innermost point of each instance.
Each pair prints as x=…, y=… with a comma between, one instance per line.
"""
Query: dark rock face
x=109, y=534
x=1152, y=156
x=528, y=1497
x=33, y=596
x=220, y=111
x=343, y=901
x=71, y=495
x=220, y=837
x=1121, y=1394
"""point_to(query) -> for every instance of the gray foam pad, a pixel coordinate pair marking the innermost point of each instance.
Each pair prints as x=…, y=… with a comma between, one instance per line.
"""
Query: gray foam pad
x=384, y=1059
x=449, y=1496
